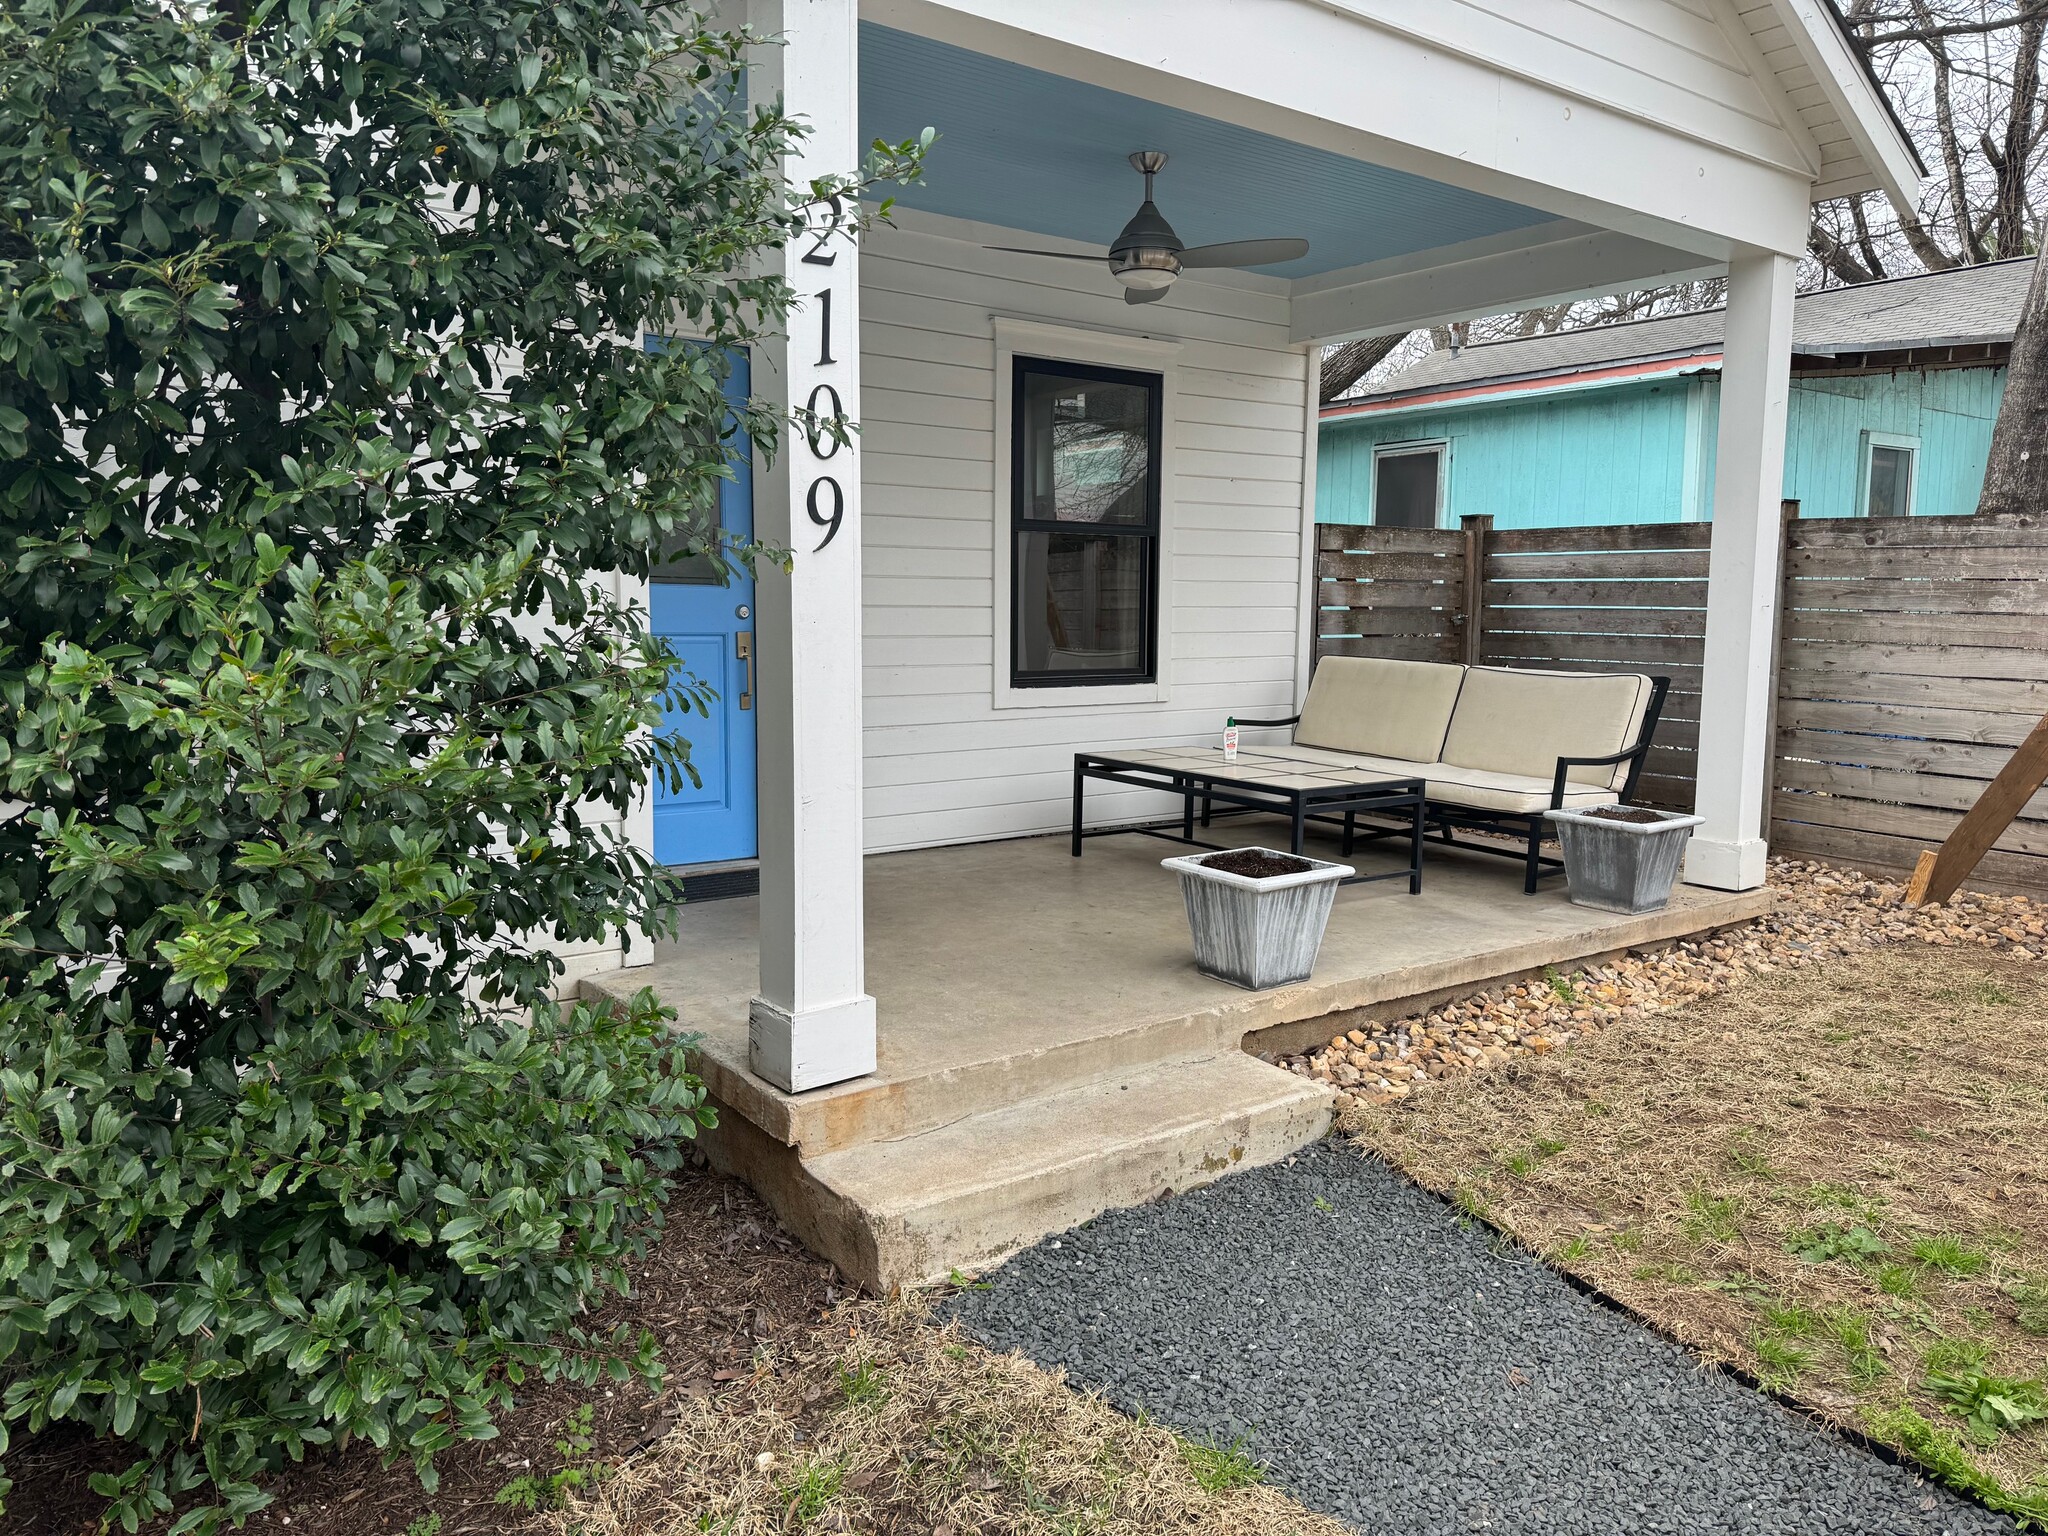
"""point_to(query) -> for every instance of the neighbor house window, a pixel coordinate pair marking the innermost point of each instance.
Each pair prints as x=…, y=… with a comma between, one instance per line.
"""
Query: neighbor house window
x=1084, y=506
x=1407, y=485
x=1889, y=464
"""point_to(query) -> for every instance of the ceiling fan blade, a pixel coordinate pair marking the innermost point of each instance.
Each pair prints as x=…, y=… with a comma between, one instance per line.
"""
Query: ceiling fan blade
x=1245, y=253
x=1026, y=250
x=1143, y=295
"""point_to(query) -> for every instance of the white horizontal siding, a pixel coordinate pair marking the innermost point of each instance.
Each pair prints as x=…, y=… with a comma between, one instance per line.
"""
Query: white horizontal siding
x=1661, y=61
x=943, y=763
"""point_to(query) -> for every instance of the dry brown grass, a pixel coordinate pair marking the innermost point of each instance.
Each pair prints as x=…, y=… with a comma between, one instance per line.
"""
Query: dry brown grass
x=885, y=1422
x=1855, y=1114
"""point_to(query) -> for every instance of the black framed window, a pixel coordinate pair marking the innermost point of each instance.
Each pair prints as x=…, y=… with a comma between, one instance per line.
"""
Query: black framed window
x=1084, y=511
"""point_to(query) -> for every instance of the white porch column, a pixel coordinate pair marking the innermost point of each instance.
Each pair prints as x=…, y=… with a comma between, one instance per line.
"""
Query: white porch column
x=1727, y=851
x=813, y=1022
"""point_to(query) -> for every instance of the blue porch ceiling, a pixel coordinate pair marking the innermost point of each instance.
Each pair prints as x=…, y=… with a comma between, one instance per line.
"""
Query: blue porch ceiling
x=1035, y=151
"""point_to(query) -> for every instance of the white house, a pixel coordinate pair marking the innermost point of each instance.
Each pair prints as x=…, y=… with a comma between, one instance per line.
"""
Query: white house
x=925, y=674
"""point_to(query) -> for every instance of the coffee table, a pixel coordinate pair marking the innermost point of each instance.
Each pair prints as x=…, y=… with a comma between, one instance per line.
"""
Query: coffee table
x=1259, y=782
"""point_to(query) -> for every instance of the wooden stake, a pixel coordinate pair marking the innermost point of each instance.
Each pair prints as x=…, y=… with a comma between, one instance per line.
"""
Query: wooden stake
x=1937, y=875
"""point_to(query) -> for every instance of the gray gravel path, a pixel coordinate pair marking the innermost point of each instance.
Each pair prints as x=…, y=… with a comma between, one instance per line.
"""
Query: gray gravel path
x=1391, y=1368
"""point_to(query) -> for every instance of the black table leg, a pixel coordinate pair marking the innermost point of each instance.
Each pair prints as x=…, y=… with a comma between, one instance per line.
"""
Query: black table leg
x=1415, y=852
x=1080, y=779
x=1187, y=810
x=1300, y=826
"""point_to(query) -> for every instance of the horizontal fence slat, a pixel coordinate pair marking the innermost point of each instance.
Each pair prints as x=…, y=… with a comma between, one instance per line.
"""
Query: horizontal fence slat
x=1963, y=759
x=2007, y=662
x=1633, y=592
x=2019, y=532
x=1394, y=647
x=1957, y=632
x=1331, y=536
x=1378, y=594
x=1933, y=790
x=1622, y=536
x=1601, y=621
x=1580, y=567
x=2029, y=701
x=1929, y=826
x=2007, y=564
x=1890, y=720
x=1593, y=653
x=1344, y=565
x=1875, y=595
x=1385, y=621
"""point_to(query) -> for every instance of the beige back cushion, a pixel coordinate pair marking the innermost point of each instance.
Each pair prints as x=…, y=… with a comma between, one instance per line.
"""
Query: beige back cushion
x=1382, y=708
x=1511, y=721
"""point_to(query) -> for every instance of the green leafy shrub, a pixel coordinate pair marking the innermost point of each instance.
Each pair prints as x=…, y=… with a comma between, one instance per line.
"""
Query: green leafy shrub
x=324, y=427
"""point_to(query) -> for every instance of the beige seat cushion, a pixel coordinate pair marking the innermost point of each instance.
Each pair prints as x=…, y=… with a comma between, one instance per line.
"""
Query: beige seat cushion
x=1516, y=722
x=1382, y=708
x=1511, y=792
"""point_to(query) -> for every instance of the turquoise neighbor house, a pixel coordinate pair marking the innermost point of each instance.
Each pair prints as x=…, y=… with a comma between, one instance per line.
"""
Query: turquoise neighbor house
x=1895, y=386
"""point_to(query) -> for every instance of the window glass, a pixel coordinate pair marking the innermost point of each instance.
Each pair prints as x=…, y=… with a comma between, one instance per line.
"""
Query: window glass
x=1080, y=603
x=1085, y=492
x=1405, y=489
x=1088, y=449
x=1891, y=480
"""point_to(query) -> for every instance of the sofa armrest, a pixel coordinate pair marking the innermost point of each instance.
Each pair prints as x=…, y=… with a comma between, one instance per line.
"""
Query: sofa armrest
x=1290, y=720
x=1632, y=755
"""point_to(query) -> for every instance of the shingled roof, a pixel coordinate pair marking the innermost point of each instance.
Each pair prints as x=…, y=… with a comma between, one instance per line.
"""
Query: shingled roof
x=1964, y=306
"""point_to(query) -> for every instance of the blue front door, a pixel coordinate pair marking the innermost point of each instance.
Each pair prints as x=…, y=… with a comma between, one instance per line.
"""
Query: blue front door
x=708, y=622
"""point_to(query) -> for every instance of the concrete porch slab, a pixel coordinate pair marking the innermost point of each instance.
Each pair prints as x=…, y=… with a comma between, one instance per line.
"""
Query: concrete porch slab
x=1048, y=1051
x=1002, y=971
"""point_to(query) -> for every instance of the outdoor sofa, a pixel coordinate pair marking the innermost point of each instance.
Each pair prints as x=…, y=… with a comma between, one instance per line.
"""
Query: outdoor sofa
x=1497, y=746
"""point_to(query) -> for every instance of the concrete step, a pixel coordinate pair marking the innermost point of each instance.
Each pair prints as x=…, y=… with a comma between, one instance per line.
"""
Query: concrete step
x=970, y=1192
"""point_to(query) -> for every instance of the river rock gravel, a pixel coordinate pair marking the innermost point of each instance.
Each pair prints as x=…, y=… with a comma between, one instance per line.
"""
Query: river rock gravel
x=1821, y=915
x=1396, y=1366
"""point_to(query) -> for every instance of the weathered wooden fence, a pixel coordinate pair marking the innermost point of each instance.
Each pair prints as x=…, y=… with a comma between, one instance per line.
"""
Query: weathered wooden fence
x=1913, y=659
x=1913, y=655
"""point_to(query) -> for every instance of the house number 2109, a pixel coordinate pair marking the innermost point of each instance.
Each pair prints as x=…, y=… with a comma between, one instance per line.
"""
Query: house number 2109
x=825, y=411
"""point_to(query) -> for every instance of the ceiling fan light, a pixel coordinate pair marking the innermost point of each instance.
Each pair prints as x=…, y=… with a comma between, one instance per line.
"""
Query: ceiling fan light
x=1145, y=267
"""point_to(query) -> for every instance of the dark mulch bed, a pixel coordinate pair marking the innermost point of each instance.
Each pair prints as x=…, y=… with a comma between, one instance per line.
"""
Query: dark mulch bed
x=724, y=1279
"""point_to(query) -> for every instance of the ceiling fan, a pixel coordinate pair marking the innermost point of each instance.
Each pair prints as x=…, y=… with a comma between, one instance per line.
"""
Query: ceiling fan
x=1147, y=256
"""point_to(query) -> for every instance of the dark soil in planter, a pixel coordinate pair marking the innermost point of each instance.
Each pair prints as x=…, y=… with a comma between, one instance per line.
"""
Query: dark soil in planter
x=1256, y=863
x=1630, y=813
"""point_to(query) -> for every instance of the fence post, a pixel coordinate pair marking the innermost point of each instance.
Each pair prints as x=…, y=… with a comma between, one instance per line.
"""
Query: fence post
x=1788, y=514
x=1476, y=526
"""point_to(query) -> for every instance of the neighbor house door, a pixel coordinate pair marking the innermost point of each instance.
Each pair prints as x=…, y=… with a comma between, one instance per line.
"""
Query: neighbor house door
x=708, y=620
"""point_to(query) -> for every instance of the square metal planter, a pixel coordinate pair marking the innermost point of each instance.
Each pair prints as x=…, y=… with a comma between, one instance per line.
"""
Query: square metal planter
x=1257, y=932
x=1622, y=866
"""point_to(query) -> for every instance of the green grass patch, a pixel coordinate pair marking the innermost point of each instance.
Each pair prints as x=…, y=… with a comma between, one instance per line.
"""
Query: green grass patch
x=1951, y=1255
x=1712, y=1218
x=862, y=1384
x=1220, y=1468
x=1900, y=1280
x=1940, y=1452
x=1793, y=1320
x=2030, y=1307
x=1783, y=1361
x=1851, y=1330
x=815, y=1485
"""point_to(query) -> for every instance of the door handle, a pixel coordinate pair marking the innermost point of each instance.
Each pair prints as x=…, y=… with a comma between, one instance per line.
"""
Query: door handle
x=743, y=650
